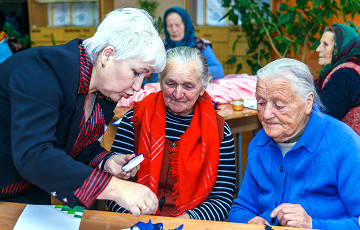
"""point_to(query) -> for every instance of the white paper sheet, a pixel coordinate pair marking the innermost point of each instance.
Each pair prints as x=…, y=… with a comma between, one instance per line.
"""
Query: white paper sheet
x=45, y=217
x=250, y=103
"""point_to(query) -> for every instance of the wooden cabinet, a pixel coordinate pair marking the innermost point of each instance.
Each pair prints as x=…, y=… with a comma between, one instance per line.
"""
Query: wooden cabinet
x=222, y=39
x=47, y=29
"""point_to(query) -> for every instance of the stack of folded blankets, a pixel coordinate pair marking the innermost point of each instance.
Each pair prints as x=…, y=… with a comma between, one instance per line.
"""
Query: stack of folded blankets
x=224, y=90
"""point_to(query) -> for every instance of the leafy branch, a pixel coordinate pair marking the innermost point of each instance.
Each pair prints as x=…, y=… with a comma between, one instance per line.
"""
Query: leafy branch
x=289, y=31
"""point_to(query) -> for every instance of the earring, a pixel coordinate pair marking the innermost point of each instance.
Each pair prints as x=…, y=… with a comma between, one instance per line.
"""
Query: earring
x=103, y=65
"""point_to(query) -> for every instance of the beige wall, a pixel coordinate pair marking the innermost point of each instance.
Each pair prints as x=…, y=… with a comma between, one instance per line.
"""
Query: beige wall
x=164, y=4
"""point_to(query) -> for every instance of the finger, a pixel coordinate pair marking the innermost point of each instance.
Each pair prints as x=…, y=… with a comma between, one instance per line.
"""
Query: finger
x=285, y=208
x=135, y=211
x=297, y=224
x=129, y=156
x=125, y=177
x=132, y=174
x=152, y=207
x=134, y=171
x=291, y=217
x=153, y=202
x=275, y=212
x=282, y=218
x=267, y=223
x=144, y=208
x=118, y=173
x=285, y=214
x=257, y=220
x=137, y=167
x=121, y=159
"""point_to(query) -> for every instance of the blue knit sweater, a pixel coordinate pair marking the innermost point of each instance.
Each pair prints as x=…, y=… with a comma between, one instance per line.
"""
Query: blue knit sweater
x=321, y=173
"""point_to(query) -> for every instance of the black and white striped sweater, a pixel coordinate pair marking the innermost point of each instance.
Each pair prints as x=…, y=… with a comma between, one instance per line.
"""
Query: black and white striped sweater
x=218, y=204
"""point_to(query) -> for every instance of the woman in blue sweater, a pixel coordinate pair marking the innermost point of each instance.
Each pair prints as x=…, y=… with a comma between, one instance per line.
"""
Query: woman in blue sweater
x=303, y=166
x=179, y=31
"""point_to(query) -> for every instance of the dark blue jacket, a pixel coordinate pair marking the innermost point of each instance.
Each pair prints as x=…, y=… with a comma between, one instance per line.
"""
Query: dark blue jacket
x=39, y=122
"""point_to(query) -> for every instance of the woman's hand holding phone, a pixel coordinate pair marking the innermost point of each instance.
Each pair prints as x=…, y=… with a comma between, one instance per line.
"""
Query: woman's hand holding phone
x=115, y=163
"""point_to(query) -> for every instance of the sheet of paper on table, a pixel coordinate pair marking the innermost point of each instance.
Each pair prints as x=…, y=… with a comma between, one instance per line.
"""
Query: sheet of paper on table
x=55, y=217
x=250, y=103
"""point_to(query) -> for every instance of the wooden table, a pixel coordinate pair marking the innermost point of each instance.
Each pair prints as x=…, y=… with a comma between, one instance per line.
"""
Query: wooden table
x=10, y=212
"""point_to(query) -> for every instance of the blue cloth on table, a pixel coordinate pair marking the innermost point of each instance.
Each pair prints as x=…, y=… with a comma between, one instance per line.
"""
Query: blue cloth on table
x=149, y=226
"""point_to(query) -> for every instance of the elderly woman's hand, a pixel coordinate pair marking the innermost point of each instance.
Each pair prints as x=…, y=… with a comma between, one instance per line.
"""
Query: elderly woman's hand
x=258, y=220
x=292, y=215
x=114, y=163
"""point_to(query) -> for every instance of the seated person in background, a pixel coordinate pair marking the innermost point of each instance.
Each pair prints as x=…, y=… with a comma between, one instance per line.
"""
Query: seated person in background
x=179, y=31
x=188, y=148
x=339, y=80
x=299, y=172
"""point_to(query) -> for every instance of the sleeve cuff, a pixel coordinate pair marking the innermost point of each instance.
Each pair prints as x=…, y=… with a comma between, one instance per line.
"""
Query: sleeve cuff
x=100, y=157
x=92, y=187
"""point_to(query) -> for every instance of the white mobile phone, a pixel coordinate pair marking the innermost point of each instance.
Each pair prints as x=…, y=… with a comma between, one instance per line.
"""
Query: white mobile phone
x=133, y=162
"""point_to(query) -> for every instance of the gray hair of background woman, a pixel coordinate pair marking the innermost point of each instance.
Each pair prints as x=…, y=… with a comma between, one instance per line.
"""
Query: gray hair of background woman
x=131, y=32
x=296, y=72
x=183, y=55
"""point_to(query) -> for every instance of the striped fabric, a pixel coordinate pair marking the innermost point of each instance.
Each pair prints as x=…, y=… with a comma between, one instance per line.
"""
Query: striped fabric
x=85, y=71
x=90, y=131
x=92, y=187
x=218, y=204
x=16, y=188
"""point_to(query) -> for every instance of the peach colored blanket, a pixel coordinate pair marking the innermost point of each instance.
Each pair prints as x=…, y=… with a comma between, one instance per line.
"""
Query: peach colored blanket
x=224, y=90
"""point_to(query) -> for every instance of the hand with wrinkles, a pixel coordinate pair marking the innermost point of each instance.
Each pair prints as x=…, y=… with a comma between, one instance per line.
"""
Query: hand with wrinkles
x=258, y=220
x=292, y=215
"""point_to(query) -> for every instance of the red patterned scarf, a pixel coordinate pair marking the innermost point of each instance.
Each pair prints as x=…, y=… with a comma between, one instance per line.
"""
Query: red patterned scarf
x=194, y=160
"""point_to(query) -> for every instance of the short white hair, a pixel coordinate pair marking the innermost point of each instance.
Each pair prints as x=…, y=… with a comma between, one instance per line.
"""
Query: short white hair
x=184, y=55
x=296, y=72
x=132, y=34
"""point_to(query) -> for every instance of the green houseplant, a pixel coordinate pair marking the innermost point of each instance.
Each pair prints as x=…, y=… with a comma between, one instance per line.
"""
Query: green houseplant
x=150, y=6
x=24, y=41
x=287, y=32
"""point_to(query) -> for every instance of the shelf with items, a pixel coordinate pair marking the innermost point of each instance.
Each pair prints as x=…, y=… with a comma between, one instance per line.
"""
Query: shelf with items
x=57, y=22
x=222, y=39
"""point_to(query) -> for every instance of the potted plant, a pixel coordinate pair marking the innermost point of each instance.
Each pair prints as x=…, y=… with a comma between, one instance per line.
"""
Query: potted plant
x=150, y=6
x=287, y=32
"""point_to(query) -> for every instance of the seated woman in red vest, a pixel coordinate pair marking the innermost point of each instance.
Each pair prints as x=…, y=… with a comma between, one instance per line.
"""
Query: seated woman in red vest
x=339, y=80
x=189, y=149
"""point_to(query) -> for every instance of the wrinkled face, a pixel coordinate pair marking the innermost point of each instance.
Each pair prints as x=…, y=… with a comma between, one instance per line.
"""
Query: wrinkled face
x=117, y=79
x=175, y=27
x=181, y=87
x=326, y=48
x=281, y=111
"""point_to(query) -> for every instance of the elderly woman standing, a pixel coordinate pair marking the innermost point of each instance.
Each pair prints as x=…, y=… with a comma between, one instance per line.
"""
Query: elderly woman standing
x=55, y=102
x=189, y=151
x=179, y=31
x=339, y=80
x=299, y=172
